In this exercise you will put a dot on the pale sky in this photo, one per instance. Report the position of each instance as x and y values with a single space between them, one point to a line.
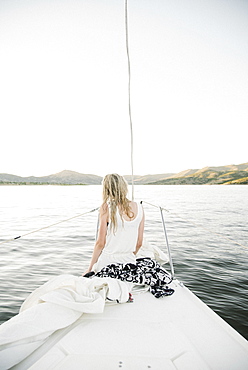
63 85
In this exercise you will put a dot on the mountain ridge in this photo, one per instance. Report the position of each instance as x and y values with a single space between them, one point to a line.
65 177
220 175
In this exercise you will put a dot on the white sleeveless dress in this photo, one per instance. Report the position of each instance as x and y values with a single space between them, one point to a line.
120 245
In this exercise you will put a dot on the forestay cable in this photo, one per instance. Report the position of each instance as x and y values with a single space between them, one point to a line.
129 95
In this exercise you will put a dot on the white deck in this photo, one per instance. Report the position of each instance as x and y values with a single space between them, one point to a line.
175 332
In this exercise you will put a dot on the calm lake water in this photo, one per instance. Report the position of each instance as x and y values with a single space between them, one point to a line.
214 268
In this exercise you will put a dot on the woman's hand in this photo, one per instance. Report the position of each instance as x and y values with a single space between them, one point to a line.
86 272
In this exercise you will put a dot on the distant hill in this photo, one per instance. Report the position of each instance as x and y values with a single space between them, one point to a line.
224 175
65 177
73 178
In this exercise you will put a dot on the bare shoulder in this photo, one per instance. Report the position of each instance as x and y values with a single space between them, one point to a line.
134 207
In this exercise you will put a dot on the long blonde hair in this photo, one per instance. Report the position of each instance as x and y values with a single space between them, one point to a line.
115 189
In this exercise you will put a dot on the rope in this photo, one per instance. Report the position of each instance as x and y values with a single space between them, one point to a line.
129 94
46 227
197 225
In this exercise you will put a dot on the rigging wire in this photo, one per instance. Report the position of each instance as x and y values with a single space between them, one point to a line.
153 205
197 225
46 227
129 94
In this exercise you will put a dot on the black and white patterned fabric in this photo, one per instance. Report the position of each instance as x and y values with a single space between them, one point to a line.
146 271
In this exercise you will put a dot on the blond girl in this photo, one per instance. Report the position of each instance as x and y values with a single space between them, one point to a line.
121 226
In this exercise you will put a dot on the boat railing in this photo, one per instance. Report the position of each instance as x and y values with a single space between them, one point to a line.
161 209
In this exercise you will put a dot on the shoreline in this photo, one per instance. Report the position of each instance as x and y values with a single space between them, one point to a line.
81 184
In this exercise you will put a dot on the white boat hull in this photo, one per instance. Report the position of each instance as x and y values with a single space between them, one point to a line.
175 332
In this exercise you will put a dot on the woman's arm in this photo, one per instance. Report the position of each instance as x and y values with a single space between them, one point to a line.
101 238
140 233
